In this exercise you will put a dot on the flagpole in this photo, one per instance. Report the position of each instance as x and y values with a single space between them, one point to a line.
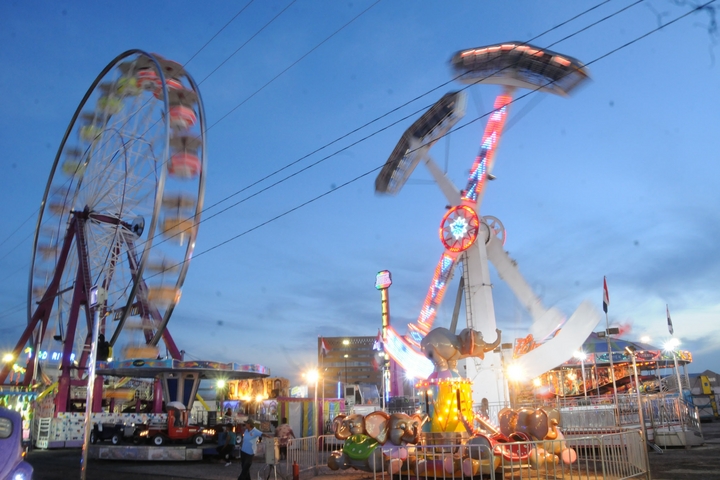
606 304
322 405
323 394
671 330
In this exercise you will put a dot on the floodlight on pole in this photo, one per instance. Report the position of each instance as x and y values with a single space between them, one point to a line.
670 346
580 355
514 374
345 343
313 376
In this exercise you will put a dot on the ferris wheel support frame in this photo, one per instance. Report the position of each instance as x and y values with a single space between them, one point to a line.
42 312
147 311
80 298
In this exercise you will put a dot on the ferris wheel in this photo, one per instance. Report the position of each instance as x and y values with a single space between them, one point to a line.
120 212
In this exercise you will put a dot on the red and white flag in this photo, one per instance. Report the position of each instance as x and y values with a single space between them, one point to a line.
606 296
670 327
324 348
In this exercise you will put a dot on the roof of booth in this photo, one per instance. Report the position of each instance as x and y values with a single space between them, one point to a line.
149 368
596 348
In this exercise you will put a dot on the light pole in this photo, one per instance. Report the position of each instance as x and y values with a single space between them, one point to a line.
641 417
670 347
631 350
515 374
383 280
313 377
345 343
580 355
98 295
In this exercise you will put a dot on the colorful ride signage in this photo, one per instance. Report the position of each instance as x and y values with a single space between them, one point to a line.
383 280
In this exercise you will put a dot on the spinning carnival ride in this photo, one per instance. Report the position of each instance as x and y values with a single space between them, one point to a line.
511 65
120 212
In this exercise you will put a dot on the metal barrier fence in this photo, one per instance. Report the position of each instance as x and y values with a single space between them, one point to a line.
615 456
493 408
304 452
591 419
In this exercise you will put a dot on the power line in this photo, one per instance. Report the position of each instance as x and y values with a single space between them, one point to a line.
247 41
359 128
218 33
293 64
266 177
324 194
458 128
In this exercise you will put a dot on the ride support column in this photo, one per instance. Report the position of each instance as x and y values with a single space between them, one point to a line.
98 394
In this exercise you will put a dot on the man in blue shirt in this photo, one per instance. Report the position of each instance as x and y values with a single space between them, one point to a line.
248 448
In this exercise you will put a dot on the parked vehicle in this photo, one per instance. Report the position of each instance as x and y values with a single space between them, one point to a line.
12 463
107 431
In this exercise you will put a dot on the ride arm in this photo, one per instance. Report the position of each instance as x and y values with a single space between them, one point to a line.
561 347
451 192
545 321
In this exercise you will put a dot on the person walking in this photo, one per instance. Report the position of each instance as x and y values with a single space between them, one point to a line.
284 432
248 449
227 444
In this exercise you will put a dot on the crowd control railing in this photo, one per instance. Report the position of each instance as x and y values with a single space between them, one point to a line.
615 456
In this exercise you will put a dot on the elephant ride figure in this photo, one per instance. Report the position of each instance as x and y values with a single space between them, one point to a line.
444 348
538 425
376 442
358 446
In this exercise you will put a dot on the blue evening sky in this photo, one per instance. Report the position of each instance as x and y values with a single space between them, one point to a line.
618 180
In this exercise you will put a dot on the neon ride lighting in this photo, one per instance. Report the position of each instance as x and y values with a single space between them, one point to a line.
459 228
475 187
443 272
484 161
414 363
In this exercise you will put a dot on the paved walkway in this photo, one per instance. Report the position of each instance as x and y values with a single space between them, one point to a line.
698 463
